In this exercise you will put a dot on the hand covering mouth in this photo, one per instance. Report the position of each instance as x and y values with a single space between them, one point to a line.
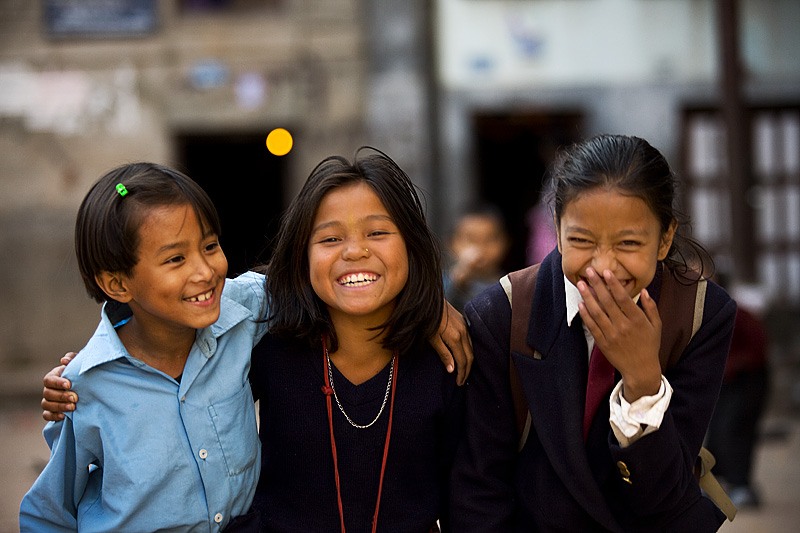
357 280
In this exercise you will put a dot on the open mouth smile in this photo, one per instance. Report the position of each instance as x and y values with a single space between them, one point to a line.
357 280
201 297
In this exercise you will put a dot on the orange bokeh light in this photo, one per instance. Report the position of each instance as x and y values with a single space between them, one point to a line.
279 141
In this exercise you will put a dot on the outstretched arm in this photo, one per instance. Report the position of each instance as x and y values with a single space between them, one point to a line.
453 343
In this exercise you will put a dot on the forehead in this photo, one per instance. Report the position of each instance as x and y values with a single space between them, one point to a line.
358 200
168 221
604 209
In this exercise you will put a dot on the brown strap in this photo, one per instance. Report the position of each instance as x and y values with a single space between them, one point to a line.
675 300
524 283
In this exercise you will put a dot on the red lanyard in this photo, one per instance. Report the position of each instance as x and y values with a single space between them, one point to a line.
328 390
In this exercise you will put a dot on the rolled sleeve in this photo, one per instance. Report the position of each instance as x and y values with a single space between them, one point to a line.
631 421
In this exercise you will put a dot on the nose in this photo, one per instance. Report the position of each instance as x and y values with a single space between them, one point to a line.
202 271
355 249
604 259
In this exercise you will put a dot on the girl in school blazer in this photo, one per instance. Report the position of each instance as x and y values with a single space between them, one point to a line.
630 471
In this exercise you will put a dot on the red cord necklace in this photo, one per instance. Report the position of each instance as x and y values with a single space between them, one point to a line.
329 391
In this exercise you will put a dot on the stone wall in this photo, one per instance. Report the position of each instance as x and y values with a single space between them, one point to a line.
70 109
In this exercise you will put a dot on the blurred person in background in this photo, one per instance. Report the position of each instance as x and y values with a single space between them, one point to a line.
478 245
733 433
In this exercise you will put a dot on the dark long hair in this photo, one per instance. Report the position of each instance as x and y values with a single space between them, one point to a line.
633 167
296 311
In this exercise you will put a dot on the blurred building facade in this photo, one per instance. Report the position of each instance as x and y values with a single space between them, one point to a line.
86 86
471 97
518 79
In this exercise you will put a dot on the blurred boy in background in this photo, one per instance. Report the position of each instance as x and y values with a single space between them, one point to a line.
478 244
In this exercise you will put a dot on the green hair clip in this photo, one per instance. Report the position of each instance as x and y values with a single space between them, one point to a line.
121 189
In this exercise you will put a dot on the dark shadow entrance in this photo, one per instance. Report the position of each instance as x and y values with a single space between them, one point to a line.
245 182
513 152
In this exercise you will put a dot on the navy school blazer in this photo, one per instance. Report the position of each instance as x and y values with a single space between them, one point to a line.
557 482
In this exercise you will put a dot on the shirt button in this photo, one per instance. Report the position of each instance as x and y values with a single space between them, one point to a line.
203 454
218 518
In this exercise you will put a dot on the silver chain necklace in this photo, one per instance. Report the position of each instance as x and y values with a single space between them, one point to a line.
385 396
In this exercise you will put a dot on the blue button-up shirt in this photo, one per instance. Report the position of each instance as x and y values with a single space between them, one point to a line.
146 453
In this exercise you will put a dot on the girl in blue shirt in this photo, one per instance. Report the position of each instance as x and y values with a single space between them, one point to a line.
167 438
452 330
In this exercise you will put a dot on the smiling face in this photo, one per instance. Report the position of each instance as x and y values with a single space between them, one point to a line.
177 282
358 262
606 230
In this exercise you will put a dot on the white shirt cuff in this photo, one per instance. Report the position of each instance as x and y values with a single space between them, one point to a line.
631 421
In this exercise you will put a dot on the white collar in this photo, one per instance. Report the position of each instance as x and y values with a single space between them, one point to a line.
573 297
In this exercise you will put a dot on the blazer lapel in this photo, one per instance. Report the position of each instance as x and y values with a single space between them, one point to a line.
554 388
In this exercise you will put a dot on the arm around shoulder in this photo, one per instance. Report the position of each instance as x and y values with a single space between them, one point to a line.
249 291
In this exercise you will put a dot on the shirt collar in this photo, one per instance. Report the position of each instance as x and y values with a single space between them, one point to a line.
573 297
231 313
105 345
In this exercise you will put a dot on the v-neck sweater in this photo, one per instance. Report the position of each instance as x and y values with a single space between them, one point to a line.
297 490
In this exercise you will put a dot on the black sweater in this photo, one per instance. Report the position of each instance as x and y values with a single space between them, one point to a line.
297 491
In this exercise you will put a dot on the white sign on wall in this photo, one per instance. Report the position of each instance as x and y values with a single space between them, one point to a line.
517 44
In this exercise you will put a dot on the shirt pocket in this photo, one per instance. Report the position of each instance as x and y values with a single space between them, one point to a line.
234 421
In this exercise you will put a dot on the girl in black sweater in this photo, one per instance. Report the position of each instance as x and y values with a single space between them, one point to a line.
358 417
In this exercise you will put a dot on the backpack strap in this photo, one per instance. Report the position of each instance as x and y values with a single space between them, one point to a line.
675 299
672 302
524 283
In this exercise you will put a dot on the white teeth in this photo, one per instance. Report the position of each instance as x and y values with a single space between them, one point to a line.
202 297
358 280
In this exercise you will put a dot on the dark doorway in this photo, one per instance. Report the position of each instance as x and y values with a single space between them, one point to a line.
245 182
513 153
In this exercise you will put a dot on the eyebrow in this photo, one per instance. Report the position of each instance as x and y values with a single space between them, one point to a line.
367 218
623 233
173 245
169 247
